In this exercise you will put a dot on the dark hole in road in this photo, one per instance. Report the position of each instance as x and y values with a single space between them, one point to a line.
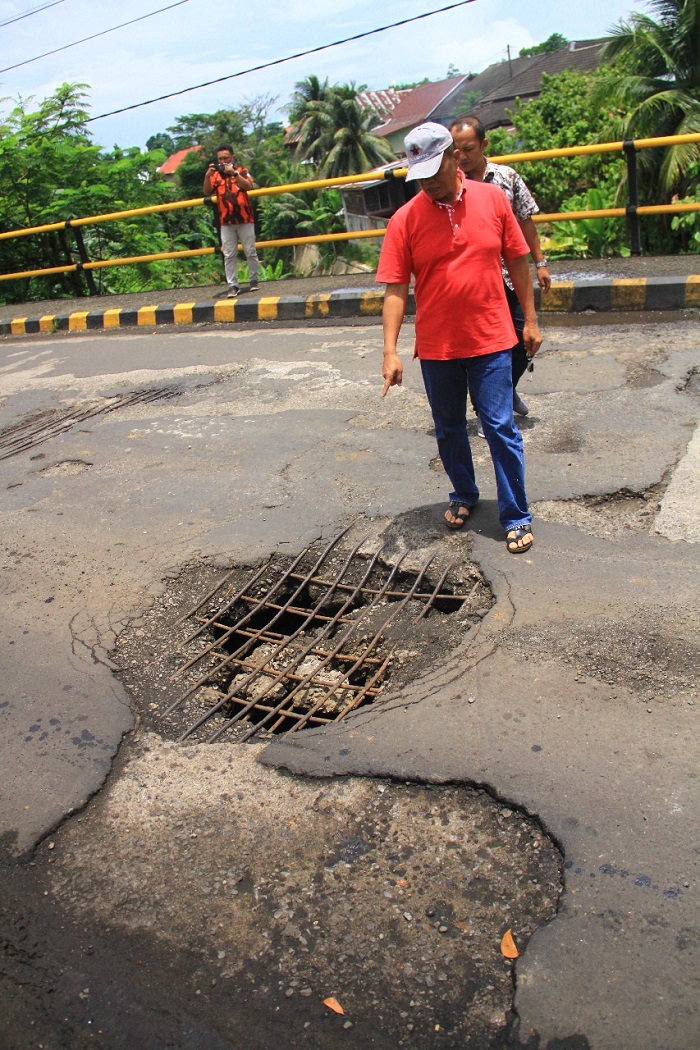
301 642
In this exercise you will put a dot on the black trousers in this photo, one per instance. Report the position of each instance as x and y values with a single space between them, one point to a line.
520 358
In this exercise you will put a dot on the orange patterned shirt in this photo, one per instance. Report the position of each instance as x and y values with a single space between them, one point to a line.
234 204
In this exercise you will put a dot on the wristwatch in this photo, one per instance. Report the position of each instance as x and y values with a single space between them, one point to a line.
539 265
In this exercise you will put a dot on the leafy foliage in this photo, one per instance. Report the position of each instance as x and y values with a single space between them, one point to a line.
50 171
654 90
561 116
588 238
336 134
553 43
686 226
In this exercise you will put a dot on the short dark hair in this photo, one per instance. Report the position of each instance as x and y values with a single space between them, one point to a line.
470 122
228 149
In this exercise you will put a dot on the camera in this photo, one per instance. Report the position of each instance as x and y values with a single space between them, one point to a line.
221 168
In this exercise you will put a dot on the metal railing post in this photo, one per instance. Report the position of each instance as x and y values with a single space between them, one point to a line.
633 195
84 257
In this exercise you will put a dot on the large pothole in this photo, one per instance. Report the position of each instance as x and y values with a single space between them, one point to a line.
278 893
296 641
606 516
282 893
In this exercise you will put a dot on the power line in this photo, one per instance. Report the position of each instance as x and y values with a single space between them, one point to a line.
94 35
281 61
34 11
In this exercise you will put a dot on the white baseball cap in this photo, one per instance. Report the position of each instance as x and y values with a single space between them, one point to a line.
425 146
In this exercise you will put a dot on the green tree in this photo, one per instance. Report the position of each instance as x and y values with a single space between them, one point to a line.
686 226
47 164
310 89
562 115
336 134
50 171
655 90
162 141
209 130
553 43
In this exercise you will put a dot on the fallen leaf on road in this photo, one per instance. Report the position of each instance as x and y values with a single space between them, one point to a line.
333 1005
508 946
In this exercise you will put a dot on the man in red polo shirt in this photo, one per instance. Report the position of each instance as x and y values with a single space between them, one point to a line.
451 237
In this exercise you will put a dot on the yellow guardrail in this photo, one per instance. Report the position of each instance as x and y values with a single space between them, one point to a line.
629 146
598 147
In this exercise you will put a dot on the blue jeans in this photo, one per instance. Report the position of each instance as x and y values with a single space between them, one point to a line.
489 376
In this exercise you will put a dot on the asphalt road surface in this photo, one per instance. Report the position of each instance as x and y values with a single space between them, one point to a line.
532 767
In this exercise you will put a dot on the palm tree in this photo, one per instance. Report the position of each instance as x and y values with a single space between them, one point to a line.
337 136
656 86
308 93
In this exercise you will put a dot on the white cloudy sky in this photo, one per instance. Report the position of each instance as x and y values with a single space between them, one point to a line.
199 40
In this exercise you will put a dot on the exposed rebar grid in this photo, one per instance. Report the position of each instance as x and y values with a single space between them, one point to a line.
303 643
35 432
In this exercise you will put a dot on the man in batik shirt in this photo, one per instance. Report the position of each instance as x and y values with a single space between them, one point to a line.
469 137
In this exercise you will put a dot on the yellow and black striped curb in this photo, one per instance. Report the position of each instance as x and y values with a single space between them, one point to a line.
327 305
621 293
616 294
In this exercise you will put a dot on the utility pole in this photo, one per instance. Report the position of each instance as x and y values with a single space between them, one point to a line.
510 68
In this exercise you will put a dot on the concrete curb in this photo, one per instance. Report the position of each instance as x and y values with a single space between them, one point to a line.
608 295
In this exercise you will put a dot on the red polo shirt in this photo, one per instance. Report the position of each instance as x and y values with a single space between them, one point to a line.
454 251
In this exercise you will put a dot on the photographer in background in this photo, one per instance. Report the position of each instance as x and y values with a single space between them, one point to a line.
230 183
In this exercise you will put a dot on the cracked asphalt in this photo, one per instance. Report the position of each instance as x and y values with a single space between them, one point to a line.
572 703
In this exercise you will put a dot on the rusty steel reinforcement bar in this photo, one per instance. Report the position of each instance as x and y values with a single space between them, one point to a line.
312 647
29 435
346 674
429 596
369 648
302 656
191 613
344 637
228 632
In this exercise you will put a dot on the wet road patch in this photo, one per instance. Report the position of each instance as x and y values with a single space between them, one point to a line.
392 898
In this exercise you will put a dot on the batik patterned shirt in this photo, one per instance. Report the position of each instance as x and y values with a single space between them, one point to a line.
521 200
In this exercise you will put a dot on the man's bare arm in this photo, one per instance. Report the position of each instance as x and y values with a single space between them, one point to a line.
533 242
395 299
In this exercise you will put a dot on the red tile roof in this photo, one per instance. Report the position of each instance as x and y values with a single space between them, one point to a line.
419 104
170 166
383 102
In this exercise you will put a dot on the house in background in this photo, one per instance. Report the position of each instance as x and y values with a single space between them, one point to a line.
382 197
168 168
496 90
435 101
488 96
370 205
